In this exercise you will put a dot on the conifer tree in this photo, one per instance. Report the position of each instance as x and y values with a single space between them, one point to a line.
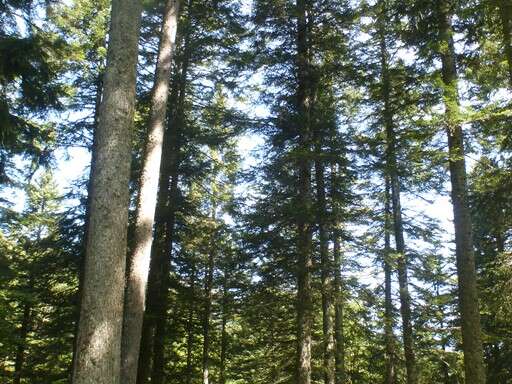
98 354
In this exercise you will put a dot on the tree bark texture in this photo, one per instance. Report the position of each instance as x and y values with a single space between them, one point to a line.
98 354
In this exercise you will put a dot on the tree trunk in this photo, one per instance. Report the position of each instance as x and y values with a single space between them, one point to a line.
165 222
22 343
161 304
157 376
98 355
326 274
390 377
81 263
223 331
392 170
190 325
339 338
467 285
304 228
148 189
208 286
505 10
162 211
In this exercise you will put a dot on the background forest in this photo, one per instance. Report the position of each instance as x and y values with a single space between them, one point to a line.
256 191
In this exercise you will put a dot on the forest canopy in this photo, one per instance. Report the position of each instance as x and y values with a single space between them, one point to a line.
256 191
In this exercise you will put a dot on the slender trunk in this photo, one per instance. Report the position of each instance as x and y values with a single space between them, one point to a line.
223 331
164 224
207 314
22 343
505 10
304 228
467 285
98 354
339 338
326 273
190 324
390 377
150 317
445 368
161 303
392 169
143 235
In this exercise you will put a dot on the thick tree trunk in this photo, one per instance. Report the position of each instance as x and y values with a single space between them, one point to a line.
22 343
390 377
208 286
326 275
148 189
81 263
468 294
304 228
98 355
505 10
392 170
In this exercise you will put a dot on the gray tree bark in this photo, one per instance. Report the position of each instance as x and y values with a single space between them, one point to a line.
98 354
148 189
467 285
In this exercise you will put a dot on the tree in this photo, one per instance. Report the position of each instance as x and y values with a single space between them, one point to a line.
38 287
304 228
394 181
147 197
468 295
99 332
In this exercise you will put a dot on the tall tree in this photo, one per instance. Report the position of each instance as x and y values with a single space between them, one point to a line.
468 295
326 274
390 374
394 180
98 354
304 228
148 186
339 353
